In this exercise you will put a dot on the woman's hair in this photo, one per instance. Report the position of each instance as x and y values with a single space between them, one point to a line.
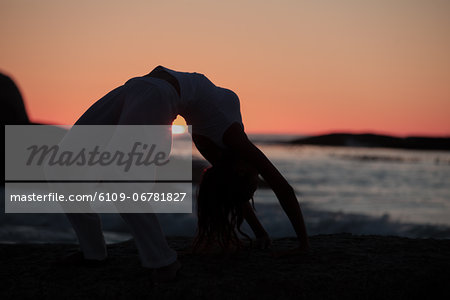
224 188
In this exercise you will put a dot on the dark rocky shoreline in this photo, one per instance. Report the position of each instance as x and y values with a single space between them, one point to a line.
339 266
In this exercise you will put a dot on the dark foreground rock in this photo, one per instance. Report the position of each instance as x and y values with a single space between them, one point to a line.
339 267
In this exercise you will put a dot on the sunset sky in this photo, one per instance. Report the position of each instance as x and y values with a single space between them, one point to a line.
303 67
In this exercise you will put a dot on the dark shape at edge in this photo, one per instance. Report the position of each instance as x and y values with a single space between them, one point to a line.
13 110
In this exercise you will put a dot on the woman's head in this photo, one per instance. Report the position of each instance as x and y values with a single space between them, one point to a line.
225 187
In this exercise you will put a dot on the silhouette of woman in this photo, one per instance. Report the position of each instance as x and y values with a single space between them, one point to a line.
218 133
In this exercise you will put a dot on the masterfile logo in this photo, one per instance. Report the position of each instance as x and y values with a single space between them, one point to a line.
105 168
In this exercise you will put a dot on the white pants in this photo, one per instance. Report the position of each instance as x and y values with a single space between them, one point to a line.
142 101
148 236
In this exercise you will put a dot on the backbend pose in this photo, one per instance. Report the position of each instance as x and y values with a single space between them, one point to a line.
218 133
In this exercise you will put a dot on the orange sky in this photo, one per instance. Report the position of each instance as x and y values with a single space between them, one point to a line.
298 66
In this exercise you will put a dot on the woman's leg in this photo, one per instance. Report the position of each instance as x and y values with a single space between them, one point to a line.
150 240
149 106
88 228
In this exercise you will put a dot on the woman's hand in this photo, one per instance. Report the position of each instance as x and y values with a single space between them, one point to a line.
292 252
263 242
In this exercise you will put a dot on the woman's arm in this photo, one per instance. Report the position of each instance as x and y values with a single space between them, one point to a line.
213 153
210 151
253 221
236 139
262 237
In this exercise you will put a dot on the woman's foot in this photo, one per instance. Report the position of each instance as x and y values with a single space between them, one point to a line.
77 259
166 273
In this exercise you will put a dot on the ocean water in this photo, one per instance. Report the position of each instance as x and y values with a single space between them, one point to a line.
354 190
366 191
409 186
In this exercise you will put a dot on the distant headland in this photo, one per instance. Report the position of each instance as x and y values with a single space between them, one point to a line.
375 141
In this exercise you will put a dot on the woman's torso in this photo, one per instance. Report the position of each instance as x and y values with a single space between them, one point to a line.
208 108
156 99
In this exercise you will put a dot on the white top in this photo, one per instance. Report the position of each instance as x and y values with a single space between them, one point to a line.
208 108
153 101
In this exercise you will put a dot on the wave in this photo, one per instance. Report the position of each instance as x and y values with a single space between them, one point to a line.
54 228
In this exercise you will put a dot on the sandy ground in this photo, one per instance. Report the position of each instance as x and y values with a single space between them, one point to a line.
339 266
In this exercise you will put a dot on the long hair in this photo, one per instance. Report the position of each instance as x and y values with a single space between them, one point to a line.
221 195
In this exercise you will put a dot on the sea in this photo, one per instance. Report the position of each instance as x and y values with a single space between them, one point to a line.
362 191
